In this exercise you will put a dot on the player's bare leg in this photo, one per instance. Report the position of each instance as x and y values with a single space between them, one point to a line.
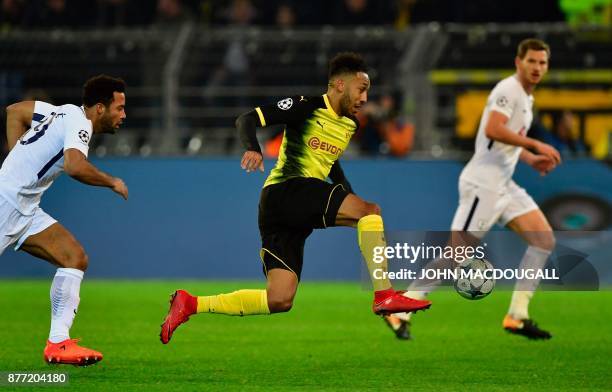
278 297
56 245
536 231
355 212
282 286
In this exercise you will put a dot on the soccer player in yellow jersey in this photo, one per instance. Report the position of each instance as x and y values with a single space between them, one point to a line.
296 198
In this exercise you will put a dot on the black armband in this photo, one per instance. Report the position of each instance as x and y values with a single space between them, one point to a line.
246 124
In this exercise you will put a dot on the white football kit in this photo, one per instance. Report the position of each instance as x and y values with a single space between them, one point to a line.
33 164
487 193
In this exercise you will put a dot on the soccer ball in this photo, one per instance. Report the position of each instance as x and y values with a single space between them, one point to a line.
470 283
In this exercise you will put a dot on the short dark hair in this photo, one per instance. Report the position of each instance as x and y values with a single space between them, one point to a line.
100 89
531 44
346 62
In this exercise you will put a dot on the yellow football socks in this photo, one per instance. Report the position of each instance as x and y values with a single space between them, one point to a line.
238 303
371 236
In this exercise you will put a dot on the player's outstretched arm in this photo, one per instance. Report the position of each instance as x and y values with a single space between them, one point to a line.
252 159
18 120
496 129
78 167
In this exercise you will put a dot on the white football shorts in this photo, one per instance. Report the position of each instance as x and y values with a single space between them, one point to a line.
480 208
15 228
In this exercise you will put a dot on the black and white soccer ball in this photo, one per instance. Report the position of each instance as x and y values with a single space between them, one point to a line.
472 285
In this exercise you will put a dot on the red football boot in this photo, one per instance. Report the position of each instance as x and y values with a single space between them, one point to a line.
69 352
390 301
182 305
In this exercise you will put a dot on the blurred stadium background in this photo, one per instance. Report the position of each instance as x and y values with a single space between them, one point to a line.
193 66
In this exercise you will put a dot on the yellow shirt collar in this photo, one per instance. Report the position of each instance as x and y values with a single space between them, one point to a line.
329 106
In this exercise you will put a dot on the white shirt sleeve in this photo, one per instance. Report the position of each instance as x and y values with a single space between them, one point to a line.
503 99
77 130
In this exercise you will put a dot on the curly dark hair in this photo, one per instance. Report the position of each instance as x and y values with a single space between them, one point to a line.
100 89
346 62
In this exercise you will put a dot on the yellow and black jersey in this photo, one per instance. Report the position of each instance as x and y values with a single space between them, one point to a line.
314 137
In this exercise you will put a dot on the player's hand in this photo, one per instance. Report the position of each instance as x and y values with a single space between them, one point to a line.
549 151
120 188
251 161
542 164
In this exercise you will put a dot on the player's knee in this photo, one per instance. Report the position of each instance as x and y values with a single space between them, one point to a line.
548 241
370 209
544 240
279 304
78 259
375 209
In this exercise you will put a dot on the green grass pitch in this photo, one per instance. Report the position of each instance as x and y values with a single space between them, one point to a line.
329 341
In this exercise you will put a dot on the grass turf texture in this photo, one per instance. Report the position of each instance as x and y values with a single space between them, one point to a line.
329 341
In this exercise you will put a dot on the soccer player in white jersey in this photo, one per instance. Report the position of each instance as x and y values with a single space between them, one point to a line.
44 141
488 195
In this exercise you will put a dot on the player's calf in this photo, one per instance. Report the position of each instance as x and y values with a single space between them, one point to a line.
282 286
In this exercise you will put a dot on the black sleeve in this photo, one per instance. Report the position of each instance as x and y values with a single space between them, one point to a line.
246 125
336 174
287 111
